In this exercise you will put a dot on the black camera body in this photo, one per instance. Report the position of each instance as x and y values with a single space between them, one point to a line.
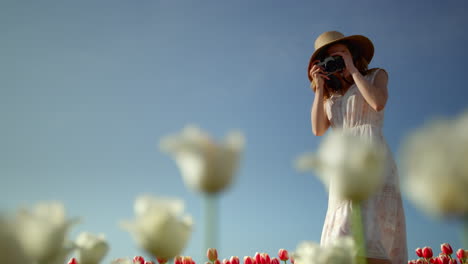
332 64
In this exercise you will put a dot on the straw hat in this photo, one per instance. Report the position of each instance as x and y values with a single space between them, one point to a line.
329 38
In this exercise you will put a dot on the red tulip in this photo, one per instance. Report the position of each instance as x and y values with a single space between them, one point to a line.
460 254
187 260
265 258
419 252
226 261
217 261
73 261
444 259
212 254
138 260
427 252
453 261
283 254
248 260
178 260
258 258
161 261
446 249
292 259
420 261
234 260
275 261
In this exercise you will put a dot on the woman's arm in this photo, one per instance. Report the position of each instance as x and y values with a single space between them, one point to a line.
376 94
318 116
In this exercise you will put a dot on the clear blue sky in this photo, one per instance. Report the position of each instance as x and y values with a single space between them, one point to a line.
87 89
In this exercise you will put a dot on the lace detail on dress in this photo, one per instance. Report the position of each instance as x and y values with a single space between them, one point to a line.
384 219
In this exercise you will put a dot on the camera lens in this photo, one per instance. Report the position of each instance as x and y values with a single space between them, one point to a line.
331 66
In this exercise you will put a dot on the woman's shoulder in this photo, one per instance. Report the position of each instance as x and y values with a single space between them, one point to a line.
371 73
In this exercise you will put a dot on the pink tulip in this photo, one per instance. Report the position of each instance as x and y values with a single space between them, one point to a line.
178 260
212 254
446 249
292 259
427 252
419 252
248 260
138 260
234 260
73 261
283 254
275 261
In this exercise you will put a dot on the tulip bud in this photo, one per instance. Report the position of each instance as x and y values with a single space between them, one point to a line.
265 258
427 252
187 260
460 254
226 261
275 261
444 259
138 260
283 254
248 260
178 260
258 258
419 252
234 260
72 261
446 249
212 254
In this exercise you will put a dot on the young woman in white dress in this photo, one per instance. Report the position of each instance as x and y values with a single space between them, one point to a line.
353 100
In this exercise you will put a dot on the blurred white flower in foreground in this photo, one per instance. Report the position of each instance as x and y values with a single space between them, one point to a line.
205 165
354 166
341 251
42 232
160 227
91 248
435 166
10 250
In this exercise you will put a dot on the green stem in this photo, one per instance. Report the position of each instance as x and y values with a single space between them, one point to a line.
358 233
465 232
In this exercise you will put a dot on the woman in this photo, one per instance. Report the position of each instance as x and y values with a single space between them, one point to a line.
353 99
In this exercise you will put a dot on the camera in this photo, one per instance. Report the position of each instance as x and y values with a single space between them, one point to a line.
332 64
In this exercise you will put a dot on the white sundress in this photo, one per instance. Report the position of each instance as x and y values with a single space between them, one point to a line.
383 215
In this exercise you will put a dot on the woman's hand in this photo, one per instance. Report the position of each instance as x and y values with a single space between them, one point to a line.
348 60
318 75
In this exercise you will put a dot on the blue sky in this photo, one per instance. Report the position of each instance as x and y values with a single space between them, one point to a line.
88 88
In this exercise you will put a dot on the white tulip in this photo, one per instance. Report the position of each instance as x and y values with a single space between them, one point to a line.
91 248
351 166
435 166
340 251
205 165
42 232
10 250
160 227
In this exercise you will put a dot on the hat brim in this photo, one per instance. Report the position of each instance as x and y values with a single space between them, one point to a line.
362 43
